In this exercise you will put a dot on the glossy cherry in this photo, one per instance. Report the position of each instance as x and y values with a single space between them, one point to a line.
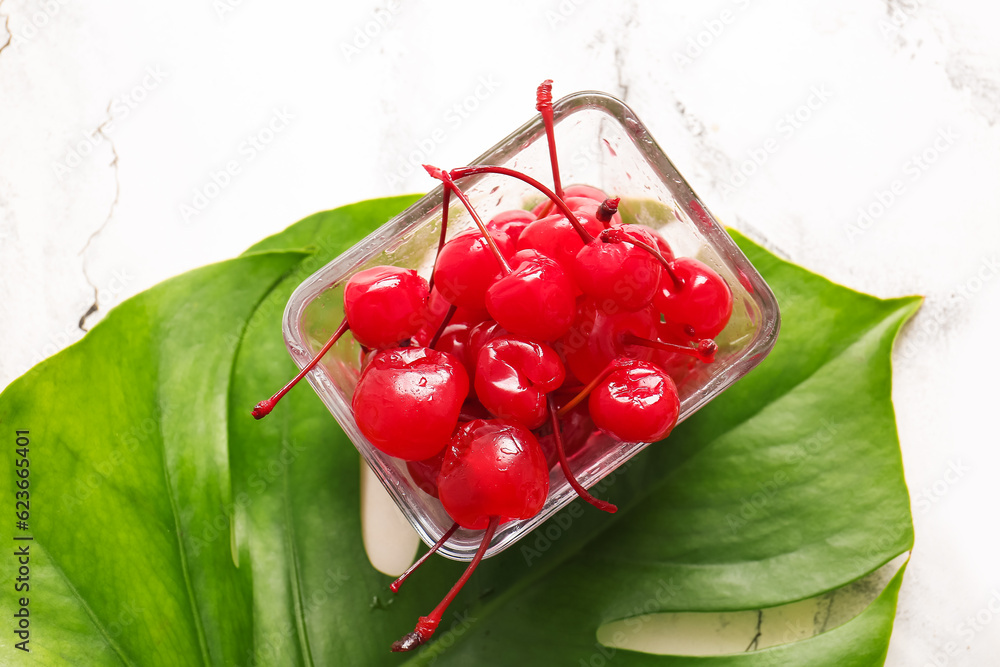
700 305
620 272
467 267
513 376
598 336
535 299
385 305
492 467
636 402
511 223
494 470
408 399
425 473
531 295
556 237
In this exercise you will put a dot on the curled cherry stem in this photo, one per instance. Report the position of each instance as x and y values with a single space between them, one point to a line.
472 170
426 625
564 464
607 210
445 204
618 235
264 408
704 351
543 103
444 323
446 178
394 586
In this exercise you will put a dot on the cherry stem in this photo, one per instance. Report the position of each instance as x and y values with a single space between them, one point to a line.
564 464
446 178
264 408
394 586
618 235
704 351
445 204
472 170
543 103
614 365
444 323
426 625
607 210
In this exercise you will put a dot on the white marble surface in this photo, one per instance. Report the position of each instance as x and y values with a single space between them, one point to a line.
114 115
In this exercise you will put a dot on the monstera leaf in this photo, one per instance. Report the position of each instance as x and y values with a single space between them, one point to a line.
170 528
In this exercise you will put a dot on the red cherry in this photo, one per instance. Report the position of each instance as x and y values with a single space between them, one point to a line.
408 399
598 336
636 403
481 334
575 196
511 223
536 299
467 267
554 236
492 468
700 306
661 243
425 473
513 377
385 305
586 191
619 272
454 340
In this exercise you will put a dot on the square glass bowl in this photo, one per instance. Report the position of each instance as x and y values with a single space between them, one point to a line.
601 143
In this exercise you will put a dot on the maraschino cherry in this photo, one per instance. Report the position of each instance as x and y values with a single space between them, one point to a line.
493 471
700 306
383 305
513 377
636 402
408 399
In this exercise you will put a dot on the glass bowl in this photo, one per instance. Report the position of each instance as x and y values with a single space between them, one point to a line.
601 143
